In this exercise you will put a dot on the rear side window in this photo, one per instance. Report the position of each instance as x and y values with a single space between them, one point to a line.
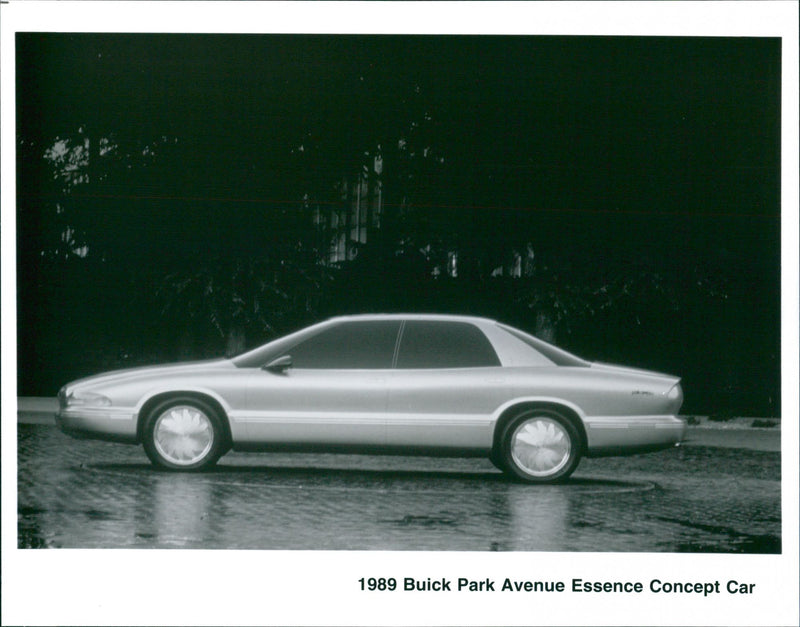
442 344
350 345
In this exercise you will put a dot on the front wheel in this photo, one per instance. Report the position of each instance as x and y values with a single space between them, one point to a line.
540 446
183 434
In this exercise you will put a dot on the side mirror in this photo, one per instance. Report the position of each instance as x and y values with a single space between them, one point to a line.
279 365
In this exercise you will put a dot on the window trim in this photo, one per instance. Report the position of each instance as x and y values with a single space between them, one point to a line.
398 343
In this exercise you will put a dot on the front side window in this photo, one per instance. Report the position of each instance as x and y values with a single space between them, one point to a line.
442 344
349 345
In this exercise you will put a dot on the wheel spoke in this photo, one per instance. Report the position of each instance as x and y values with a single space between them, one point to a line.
183 435
540 446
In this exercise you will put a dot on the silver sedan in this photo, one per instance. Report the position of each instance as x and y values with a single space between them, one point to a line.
404 384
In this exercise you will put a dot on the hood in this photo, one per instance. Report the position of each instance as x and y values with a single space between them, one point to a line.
148 371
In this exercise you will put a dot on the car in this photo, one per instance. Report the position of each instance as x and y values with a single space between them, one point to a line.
386 383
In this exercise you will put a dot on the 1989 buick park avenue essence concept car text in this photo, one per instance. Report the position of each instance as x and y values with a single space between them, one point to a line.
408 384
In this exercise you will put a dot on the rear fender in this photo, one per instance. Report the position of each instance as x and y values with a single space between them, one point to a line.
506 412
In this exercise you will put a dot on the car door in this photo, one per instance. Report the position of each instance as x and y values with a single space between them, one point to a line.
334 393
445 387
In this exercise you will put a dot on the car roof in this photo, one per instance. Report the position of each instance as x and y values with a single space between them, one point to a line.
414 316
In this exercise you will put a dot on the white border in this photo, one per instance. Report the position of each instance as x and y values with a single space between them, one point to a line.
255 587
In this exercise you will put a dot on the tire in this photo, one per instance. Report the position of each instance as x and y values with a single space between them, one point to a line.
184 434
540 446
497 461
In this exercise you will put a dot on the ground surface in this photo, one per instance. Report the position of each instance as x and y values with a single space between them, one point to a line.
718 493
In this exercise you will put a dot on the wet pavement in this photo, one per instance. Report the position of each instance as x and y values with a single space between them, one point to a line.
84 494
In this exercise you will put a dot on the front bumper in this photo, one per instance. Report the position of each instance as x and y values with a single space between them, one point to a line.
106 423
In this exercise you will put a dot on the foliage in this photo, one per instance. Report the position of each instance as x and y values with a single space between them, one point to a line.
243 299
83 173
565 295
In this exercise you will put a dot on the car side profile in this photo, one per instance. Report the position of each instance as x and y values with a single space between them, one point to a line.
386 383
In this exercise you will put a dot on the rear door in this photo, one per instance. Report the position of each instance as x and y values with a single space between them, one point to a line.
446 385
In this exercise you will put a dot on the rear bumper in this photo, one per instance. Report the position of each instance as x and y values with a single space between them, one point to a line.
619 435
113 425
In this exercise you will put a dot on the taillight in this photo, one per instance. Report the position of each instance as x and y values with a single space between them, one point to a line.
676 395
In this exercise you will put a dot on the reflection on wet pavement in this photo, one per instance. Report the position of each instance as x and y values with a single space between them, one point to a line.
84 494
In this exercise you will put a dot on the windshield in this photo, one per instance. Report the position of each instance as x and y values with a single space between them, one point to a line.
264 354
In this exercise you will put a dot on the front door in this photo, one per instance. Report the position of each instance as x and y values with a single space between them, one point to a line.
334 393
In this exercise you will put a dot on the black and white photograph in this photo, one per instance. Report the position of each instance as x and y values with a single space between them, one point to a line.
447 317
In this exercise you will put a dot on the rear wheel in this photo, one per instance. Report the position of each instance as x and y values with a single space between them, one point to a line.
540 446
184 434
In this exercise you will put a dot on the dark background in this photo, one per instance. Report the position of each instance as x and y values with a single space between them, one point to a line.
167 187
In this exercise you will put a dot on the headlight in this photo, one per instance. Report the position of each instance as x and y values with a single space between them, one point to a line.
87 399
